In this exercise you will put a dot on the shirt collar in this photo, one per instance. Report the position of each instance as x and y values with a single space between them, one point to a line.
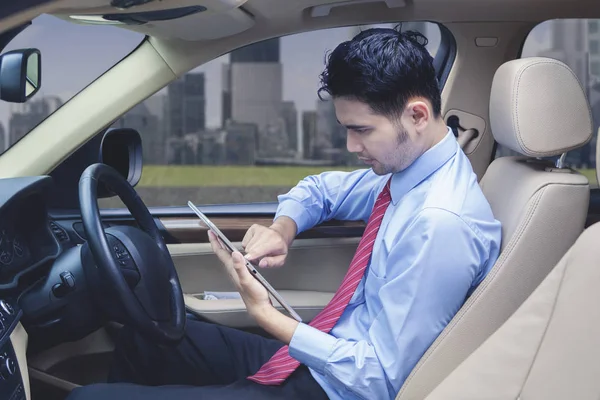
425 165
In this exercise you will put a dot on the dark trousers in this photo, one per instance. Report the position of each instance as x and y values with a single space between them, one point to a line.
212 362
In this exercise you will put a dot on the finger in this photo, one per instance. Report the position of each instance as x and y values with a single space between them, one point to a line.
250 233
239 265
244 276
214 242
225 258
256 239
265 248
218 249
272 262
220 242
213 239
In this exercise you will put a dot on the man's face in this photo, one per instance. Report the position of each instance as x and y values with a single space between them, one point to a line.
386 146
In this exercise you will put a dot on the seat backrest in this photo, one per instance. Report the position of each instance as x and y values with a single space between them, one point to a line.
549 349
538 109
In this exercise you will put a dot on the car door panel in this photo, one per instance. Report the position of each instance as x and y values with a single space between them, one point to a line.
318 259
313 271
232 312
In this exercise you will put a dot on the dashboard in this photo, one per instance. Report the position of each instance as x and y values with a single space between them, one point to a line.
11 381
27 243
14 253
26 239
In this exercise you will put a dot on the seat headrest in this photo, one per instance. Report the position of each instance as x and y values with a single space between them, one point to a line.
538 108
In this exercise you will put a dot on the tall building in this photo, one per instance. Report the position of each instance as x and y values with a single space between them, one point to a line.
149 127
568 43
226 94
212 147
594 47
186 114
309 133
330 134
593 31
156 105
266 51
241 143
290 119
187 105
26 116
273 140
185 150
256 84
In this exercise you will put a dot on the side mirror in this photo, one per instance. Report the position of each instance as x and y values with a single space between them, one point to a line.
121 148
20 75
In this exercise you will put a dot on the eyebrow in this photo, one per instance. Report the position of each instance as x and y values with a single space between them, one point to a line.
354 127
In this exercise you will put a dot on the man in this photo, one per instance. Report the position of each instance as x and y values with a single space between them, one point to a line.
430 239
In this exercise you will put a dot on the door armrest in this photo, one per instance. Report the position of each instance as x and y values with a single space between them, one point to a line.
232 312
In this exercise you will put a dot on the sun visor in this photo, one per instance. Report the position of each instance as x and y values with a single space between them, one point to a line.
141 18
184 19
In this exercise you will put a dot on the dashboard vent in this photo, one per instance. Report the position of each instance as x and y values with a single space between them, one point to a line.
59 232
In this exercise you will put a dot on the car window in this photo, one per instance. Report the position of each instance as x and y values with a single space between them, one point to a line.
72 56
247 126
576 42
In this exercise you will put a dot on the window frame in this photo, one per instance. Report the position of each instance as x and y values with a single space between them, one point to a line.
23 28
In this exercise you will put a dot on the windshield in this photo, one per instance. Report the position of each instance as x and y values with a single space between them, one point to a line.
73 55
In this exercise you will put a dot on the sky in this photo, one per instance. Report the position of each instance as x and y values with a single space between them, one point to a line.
74 55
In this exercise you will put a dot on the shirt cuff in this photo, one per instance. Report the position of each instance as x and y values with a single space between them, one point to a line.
295 211
311 347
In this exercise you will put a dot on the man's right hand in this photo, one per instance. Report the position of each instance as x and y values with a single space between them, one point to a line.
269 245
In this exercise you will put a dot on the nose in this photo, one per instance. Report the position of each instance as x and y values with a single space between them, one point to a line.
353 142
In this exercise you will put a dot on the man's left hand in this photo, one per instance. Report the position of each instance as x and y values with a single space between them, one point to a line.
254 294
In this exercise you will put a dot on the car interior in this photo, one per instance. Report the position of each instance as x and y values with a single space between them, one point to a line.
79 231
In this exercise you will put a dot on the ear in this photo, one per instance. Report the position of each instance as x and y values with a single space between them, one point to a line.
419 113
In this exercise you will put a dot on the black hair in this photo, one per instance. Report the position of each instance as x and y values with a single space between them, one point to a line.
383 68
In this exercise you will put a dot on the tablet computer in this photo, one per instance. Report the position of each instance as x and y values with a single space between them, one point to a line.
249 265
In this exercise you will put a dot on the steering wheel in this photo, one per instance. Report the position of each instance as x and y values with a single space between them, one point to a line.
134 262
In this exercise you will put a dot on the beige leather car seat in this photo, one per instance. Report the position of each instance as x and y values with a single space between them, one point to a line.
549 349
538 109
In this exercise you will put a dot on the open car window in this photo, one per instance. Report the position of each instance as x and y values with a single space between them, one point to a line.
247 126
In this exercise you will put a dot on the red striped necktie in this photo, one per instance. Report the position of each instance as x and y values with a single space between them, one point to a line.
281 365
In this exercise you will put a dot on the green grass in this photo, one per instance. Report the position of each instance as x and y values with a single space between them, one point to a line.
208 175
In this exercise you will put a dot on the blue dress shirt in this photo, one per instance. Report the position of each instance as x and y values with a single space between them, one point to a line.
437 241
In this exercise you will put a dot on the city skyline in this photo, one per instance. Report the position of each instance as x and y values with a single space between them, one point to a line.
95 49
291 69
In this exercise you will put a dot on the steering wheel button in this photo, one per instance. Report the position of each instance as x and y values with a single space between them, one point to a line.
68 279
